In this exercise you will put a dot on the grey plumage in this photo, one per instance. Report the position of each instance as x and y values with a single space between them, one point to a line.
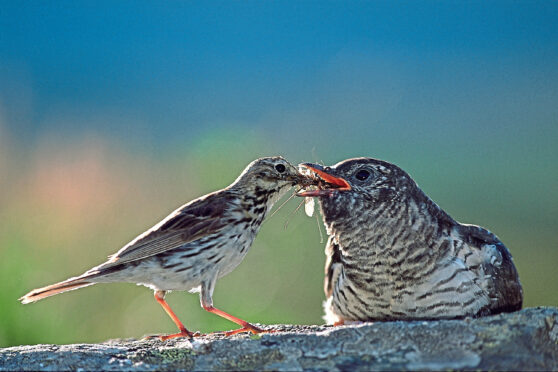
392 253
198 243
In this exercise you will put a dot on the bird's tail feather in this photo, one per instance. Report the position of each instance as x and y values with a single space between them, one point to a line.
51 290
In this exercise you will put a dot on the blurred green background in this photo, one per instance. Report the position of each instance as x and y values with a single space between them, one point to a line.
111 116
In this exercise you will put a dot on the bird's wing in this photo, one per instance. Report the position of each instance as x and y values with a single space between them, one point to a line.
497 263
478 236
199 218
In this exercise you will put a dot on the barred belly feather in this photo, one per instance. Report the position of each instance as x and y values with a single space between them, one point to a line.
394 254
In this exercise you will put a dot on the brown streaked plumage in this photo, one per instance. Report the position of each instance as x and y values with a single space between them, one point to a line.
195 245
394 254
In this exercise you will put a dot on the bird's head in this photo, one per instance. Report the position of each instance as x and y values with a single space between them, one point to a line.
270 175
357 180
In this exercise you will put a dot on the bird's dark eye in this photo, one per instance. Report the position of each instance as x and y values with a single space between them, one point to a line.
362 175
280 168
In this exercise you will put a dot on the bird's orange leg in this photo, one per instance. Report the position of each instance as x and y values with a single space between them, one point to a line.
246 327
160 298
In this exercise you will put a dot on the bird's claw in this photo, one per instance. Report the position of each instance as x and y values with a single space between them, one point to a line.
186 334
250 328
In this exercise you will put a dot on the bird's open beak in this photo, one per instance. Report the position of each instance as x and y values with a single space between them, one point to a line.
332 183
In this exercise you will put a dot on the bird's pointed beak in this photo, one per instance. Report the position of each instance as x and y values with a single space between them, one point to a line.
298 178
335 183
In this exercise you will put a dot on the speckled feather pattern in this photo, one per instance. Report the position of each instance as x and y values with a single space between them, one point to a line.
199 242
197 264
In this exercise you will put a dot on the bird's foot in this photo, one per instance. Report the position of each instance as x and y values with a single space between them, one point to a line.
248 328
180 334
184 333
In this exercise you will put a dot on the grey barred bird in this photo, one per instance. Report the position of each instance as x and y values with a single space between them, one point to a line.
393 254
196 244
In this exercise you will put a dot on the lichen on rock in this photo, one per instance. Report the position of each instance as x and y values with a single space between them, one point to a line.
527 339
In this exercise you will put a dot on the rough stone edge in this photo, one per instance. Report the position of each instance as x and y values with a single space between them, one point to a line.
527 339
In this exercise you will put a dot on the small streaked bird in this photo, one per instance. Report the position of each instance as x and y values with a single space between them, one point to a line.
196 244
393 254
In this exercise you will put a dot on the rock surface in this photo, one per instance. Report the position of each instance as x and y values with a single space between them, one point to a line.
527 339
